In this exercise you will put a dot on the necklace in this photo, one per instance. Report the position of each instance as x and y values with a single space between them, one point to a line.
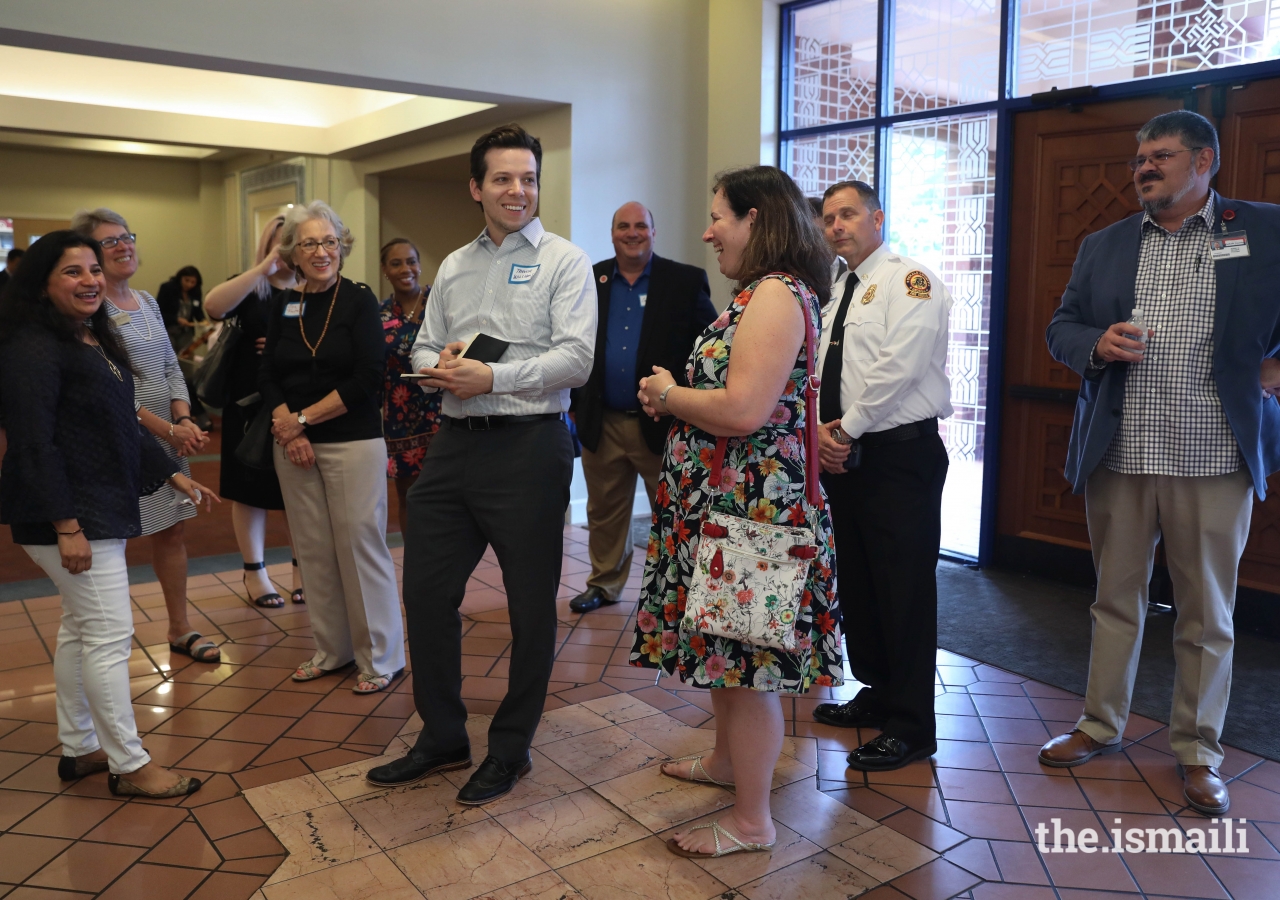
115 370
303 331
141 310
417 305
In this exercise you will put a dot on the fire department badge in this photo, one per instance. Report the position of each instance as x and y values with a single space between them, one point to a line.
918 285
869 295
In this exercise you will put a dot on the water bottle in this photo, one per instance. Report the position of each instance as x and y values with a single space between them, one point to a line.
1137 319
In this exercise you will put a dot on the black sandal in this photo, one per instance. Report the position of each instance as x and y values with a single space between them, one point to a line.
266 601
298 595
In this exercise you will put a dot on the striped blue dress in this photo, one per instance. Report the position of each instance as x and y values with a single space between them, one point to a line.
159 382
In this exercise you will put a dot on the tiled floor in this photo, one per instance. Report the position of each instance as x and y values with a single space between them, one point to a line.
589 821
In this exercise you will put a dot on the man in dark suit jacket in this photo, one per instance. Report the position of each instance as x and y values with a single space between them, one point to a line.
651 310
1174 432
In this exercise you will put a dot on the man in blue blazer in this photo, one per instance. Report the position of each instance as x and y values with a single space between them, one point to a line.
1175 430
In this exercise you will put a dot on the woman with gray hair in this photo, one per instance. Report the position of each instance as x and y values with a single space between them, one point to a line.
321 377
164 409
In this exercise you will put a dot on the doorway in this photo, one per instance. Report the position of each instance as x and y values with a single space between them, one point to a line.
1071 172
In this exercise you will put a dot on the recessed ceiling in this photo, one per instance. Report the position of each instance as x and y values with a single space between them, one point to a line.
86 95
103 145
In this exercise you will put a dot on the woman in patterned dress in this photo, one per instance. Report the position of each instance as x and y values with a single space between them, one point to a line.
746 376
164 409
410 416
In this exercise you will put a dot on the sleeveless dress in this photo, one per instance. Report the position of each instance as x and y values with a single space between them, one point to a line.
763 479
410 417
158 382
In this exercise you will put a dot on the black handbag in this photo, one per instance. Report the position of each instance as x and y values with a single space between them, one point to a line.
215 369
255 448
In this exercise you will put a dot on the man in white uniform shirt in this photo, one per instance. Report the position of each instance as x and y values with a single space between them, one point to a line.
497 473
884 386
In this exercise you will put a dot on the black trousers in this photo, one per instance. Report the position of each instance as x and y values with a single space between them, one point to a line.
887 518
508 488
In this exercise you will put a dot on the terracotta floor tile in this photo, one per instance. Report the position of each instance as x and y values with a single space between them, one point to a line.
229 699
1036 790
916 774
17 805
954 704
250 845
1016 731
285 702
1094 871
289 768
260 865
39 774
21 855
1005 707
1175 875
173 693
960 728
322 726
992 821
256 676
289 748
254 728
32 737
966 755
228 886
226 818
368 878
937 880
1120 796
867 801
199 723
222 756
137 824
85 866
185 846
924 830
67 817
1019 862
154 883
973 785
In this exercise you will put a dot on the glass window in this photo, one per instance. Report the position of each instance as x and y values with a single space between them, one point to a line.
833 64
821 160
941 205
945 53
1067 43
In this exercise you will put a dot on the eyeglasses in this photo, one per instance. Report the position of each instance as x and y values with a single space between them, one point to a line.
108 243
310 247
1160 157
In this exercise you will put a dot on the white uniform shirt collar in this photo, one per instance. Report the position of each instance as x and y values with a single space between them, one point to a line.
532 233
868 266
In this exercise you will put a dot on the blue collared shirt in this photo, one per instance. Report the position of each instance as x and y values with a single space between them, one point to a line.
622 338
534 291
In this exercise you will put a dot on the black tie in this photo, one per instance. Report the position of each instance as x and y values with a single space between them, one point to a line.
829 407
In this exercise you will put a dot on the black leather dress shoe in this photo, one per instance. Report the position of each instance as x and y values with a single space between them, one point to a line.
885 753
415 766
492 780
848 715
591 598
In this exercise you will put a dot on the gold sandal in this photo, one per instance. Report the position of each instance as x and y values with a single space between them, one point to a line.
376 682
693 774
308 671
117 785
716 830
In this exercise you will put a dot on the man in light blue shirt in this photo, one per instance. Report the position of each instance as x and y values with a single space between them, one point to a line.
497 474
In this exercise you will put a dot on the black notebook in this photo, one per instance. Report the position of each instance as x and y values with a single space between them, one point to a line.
485 348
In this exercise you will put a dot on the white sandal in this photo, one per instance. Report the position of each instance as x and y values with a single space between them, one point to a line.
693 774
717 829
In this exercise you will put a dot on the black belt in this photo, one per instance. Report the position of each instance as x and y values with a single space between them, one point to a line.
908 432
624 412
488 423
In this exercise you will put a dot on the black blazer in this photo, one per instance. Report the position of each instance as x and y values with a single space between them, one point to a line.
677 311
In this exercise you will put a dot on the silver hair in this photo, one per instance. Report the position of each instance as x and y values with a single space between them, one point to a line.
1193 129
307 212
86 221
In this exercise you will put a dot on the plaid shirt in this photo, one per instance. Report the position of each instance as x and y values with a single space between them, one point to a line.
1173 422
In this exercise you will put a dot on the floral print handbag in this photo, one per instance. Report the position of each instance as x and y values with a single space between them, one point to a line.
749 577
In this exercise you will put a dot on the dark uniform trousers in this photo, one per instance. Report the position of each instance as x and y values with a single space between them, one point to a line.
508 488
887 518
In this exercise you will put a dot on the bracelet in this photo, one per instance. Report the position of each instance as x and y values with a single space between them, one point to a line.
68 533
662 398
187 418
170 429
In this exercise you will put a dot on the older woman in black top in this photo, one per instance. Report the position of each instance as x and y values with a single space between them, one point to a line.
321 377
76 463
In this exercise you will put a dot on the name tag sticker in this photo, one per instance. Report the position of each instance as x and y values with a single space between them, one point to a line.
1229 245
522 274
644 298
121 319
293 310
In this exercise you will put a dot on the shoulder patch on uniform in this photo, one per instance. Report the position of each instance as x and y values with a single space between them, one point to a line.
918 285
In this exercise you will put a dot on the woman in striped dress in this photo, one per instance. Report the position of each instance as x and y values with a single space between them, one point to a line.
164 408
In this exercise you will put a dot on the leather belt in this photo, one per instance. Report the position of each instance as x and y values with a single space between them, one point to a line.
908 432
488 423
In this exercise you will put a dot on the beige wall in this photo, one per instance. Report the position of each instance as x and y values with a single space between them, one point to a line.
175 206
438 216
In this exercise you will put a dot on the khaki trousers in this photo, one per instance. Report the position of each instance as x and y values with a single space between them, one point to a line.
611 473
338 518
1205 523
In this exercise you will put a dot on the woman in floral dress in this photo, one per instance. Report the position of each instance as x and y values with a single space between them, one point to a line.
746 376
410 417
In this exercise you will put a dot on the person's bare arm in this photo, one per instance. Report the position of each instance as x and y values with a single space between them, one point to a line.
768 339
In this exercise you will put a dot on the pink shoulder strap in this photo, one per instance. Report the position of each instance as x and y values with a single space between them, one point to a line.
811 385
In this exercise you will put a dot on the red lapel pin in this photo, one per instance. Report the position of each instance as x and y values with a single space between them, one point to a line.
604 278
1228 215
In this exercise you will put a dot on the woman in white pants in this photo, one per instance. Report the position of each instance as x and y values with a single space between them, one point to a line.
77 460
321 378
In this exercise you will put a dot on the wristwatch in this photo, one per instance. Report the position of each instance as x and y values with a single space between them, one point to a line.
302 419
841 437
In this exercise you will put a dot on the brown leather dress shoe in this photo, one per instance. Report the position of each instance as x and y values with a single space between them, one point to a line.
1073 749
1203 788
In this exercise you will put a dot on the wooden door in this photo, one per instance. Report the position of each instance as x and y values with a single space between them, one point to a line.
1070 166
